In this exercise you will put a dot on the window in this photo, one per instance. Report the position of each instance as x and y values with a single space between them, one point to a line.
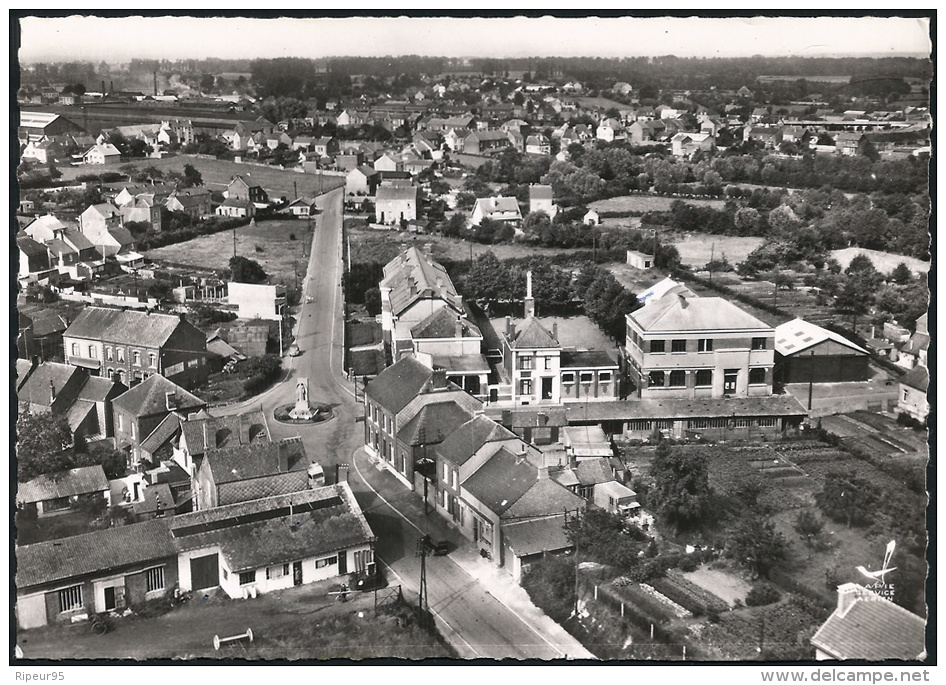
525 363
568 377
759 343
678 345
656 379
604 376
191 363
678 379
525 387
277 571
586 376
132 429
92 352
121 354
110 372
154 579
75 349
453 480
247 577
446 473
656 346
756 376
108 354
57 504
704 378
121 422
327 561
768 421
152 360
548 362
704 345
906 395
136 357
742 423
70 598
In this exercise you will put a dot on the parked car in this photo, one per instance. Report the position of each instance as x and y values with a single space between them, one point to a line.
294 350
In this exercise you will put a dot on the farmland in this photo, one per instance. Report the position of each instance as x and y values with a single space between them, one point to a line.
277 245
884 262
696 249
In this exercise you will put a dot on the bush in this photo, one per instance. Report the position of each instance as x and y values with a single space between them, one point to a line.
550 584
263 372
762 594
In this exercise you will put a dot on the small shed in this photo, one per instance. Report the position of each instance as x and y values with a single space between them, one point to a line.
640 260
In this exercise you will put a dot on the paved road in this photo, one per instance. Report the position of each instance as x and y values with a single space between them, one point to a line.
474 621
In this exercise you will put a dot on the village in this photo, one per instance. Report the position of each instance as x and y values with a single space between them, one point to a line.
634 367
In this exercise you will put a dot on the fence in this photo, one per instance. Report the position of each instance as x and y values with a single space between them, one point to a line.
390 596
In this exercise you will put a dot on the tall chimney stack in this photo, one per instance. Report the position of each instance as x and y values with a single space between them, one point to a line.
530 302
154 75
458 328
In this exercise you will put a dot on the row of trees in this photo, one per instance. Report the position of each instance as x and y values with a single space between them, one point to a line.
45 444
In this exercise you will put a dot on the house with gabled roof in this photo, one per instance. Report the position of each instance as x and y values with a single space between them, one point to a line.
184 437
393 399
245 549
541 199
455 345
395 204
102 153
140 410
869 627
504 209
913 388
806 353
239 188
195 202
485 142
362 180
55 493
134 345
84 401
246 472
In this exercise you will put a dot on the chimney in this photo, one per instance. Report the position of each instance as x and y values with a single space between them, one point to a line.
427 247
521 455
52 391
530 301
555 330
847 595
438 380
458 328
154 74
509 329
170 400
544 472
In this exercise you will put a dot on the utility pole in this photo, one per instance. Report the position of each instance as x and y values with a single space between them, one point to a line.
424 546
811 379
281 314
234 241
712 259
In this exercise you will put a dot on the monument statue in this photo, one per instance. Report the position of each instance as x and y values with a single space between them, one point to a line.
302 409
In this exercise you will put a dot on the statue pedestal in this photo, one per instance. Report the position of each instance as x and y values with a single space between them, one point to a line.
302 411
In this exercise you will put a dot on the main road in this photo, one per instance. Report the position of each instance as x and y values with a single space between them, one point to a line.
475 622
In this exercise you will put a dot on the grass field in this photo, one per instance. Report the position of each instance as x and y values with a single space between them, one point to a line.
277 253
696 249
884 262
648 203
217 173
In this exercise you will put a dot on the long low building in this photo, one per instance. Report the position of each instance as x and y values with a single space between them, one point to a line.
806 353
697 418
243 549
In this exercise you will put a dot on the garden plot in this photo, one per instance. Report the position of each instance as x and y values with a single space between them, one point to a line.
726 586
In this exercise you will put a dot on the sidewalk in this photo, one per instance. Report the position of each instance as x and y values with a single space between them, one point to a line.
496 581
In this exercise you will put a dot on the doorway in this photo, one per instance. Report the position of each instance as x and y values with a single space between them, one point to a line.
297 573
546 388
342 563
729 381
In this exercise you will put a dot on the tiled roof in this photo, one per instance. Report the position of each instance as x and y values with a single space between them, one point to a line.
262 532
533 336
443 324
162 433
794 336
546 496
77 413
398 384
28 246
593 471
391 193
36 390
497 205
536 536
259 488
433 423
23 368
241 462
413 276
150 397
464 363
78 481
224 431
123 326
108 549
672 313
540 192
460 445
918 378
873 629
587 359
501 481
157 498
684 408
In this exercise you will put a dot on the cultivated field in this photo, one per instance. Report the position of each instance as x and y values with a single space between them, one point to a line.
217 173
884 262
270 243
648 203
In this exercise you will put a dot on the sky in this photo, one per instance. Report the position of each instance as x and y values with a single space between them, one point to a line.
120 39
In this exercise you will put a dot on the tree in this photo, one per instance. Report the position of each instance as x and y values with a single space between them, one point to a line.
757 545
901 275
192 177
373 301
41 441
601 536
137 148
846 497
681 493
243 270
207 82
808 525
